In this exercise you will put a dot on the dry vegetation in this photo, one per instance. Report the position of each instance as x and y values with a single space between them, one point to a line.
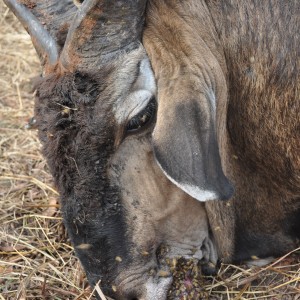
36 259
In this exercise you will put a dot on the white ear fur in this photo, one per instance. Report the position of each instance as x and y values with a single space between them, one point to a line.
194 191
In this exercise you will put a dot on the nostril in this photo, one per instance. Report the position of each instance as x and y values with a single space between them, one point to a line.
128 294
132 296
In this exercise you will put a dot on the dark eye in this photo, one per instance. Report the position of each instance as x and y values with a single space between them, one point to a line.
143 118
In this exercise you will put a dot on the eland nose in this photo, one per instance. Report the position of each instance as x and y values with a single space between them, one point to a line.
154 289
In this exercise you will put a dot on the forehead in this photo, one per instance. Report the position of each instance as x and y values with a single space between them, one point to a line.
79 91
118 90
76 128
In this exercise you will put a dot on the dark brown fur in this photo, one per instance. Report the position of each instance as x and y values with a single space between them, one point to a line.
260 43
78 132
256 43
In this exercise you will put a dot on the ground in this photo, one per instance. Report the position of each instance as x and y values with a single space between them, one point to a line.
36 258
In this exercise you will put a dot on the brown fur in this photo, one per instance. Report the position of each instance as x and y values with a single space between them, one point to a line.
256 46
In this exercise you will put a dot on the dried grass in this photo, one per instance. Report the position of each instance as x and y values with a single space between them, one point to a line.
36 258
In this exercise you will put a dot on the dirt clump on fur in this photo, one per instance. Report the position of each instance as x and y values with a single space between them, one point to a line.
187 280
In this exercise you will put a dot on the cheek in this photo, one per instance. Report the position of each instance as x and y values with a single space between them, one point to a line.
140 181
155 207
134 170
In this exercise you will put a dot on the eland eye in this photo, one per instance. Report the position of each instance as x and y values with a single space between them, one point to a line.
143 118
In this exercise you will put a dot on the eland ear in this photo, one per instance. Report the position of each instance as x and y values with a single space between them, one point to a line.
186 148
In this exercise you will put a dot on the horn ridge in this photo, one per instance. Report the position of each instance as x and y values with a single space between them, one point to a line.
44 44
56 17
101 29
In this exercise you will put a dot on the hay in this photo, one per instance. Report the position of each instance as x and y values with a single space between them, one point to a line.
36 258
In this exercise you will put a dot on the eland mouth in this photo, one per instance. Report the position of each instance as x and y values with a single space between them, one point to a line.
172 276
